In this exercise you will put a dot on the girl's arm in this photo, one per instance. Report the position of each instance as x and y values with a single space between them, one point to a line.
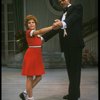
42 30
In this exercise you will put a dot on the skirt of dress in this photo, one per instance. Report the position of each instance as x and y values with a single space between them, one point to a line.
33 62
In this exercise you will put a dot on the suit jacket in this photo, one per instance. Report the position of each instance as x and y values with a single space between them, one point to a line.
74 29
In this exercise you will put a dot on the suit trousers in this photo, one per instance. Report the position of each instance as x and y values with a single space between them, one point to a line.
73 58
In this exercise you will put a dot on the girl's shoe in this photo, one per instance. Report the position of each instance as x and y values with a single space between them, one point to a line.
23 96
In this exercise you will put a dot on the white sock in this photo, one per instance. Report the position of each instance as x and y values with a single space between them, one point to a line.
30 98
25 91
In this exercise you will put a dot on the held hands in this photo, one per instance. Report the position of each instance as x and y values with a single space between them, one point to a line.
57 24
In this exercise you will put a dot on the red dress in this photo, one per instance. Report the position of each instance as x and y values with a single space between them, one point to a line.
33 61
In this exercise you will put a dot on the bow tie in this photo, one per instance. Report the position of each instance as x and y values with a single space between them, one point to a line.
65 9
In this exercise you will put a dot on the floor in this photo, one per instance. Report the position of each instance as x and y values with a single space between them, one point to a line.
53 86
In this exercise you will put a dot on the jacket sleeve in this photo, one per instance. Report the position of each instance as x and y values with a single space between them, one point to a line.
50 34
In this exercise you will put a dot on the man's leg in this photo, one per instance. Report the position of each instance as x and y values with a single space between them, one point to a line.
73 58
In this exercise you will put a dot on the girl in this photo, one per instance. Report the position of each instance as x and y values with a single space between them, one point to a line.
33 67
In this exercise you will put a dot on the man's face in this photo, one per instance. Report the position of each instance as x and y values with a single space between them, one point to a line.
63 3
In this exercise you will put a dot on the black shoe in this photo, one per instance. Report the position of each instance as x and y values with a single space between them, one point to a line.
23 96
73 99
66 97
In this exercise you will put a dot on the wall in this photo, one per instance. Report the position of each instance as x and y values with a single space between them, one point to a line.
90 8
46 15
91 43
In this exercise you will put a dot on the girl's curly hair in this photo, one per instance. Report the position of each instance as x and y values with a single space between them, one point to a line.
30 17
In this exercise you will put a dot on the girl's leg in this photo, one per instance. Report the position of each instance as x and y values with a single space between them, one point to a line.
36 80
29 82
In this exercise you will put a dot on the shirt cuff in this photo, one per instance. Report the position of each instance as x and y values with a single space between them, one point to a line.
64 25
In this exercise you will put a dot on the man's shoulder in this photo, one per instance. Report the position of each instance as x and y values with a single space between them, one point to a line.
78 5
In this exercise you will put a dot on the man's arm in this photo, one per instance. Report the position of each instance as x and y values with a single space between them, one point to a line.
49 35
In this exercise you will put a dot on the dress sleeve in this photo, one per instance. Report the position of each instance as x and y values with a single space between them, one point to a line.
32 32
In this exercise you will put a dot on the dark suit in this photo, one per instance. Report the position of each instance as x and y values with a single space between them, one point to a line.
72 46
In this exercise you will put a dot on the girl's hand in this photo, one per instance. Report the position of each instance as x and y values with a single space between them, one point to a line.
57 24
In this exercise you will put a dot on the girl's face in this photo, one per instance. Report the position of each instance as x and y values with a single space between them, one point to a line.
31 24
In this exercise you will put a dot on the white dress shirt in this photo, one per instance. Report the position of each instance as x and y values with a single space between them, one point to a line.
64 24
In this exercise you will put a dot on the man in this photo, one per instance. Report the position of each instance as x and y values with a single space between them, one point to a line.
69 28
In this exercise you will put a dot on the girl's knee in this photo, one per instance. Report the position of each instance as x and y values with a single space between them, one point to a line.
29 77
39 77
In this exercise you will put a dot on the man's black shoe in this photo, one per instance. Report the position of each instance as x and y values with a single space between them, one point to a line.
23 96
65 97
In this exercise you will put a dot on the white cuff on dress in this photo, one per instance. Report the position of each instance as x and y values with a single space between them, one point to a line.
32 32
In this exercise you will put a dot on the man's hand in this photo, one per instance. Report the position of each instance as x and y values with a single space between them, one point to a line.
57 24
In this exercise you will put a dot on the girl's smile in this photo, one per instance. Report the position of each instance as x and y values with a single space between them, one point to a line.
31 24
